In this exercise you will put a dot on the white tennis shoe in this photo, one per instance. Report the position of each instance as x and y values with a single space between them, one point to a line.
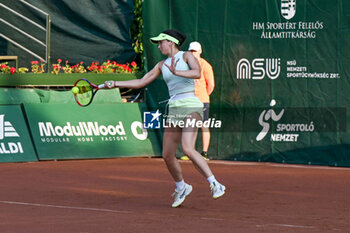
181 195
217 189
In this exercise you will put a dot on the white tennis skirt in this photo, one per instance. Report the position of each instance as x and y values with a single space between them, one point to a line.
183 105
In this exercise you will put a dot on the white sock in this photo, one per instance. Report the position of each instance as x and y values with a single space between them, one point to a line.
211 179
180 185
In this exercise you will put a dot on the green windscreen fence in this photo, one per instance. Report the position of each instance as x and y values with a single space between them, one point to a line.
32 95
81 30
281 75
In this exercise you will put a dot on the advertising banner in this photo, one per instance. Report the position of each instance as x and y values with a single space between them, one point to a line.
67 131
15 141
281 75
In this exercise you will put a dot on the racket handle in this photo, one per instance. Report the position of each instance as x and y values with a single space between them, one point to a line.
101 86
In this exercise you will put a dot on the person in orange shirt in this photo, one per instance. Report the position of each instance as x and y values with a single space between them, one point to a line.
203 88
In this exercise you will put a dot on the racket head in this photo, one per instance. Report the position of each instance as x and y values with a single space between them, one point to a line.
86 92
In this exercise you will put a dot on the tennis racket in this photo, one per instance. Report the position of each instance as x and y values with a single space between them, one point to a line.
84 91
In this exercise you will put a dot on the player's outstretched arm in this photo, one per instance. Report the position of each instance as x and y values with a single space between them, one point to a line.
138 83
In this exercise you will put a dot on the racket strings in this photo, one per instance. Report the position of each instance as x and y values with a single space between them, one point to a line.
85 94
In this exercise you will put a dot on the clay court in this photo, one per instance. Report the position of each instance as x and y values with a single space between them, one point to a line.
133 195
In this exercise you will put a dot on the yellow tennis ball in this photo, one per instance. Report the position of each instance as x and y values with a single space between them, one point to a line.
75 90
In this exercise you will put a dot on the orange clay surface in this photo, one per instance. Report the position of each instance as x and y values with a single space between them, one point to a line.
134 195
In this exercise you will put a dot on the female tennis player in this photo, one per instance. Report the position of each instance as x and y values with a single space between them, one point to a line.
179 71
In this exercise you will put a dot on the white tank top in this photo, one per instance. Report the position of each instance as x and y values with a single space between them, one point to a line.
177 84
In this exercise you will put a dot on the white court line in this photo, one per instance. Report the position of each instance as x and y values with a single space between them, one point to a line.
214 219
287 225
304 166
64 207
293 226
267 164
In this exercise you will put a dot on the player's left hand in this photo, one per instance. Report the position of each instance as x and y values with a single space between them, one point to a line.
172 67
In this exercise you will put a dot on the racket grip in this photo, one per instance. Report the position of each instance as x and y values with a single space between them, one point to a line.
101 86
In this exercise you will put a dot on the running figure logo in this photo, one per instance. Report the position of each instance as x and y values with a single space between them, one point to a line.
264 117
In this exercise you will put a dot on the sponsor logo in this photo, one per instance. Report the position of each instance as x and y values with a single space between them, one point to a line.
6 128
151 120
47 129
264 117
88 131
276 30
8 131
294 70
288 8
193 123
293 129
156 120
259 68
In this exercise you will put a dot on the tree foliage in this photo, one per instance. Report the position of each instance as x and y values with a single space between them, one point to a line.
137 32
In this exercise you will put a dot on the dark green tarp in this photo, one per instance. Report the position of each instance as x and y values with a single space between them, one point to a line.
267 55
81 30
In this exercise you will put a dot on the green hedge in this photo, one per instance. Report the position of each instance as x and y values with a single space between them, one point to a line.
13 80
